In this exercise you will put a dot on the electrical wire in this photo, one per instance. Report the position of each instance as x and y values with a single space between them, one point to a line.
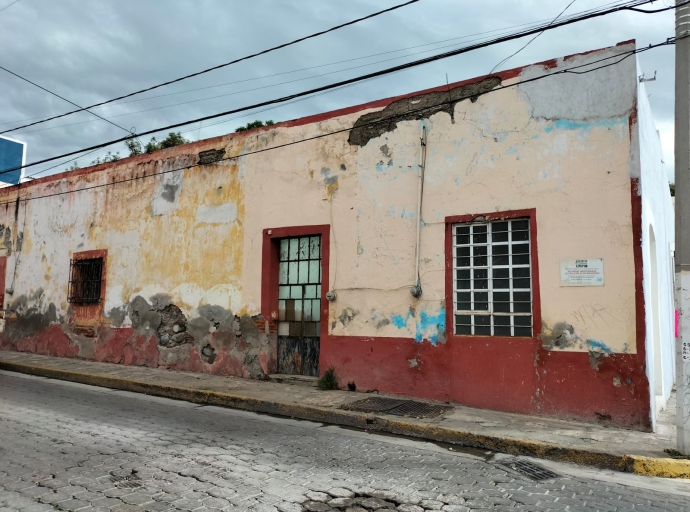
530 41
620 58
309 92
263 52
9 5
65 99
253 113
227 94
466 37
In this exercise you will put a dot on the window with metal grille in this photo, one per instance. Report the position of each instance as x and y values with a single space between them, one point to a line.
85 281
492 278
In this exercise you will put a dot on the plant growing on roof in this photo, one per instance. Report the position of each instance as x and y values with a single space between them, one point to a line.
253 124
173 139
109 157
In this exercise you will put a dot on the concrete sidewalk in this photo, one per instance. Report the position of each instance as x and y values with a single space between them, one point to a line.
567 441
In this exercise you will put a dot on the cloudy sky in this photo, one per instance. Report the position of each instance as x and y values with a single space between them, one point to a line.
92 50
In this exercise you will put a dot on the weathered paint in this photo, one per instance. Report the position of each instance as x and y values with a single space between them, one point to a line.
191 243
657 221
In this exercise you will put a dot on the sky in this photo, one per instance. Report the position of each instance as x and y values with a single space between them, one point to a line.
91 51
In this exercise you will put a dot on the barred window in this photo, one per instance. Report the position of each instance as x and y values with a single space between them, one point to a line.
85 281
492 278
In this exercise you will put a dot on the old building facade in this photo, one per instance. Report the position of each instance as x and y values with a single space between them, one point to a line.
503 242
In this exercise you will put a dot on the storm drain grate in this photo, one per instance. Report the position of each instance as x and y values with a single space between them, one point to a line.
374 404
407 408
530 470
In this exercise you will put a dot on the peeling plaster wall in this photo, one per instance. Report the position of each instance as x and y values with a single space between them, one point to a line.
657 214
175 247
193 239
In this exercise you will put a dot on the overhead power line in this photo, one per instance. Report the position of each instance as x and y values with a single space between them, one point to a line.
244 115
360 78
64 99
234 93
9 5
465 37
530 41
571 70
263 52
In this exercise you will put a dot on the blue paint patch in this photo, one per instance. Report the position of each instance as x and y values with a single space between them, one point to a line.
566 124
511 150
430 326
400 321
407 215
457 181
596 344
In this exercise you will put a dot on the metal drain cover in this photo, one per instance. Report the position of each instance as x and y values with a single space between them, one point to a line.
407 408
530 470
374 404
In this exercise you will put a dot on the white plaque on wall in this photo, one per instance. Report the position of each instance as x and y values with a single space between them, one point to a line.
582 272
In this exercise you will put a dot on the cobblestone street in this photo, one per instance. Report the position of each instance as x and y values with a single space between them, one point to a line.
66 446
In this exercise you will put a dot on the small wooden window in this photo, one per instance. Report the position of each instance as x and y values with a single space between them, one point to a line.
85 282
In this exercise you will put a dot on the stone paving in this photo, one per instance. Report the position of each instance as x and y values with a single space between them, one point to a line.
65 446
571 435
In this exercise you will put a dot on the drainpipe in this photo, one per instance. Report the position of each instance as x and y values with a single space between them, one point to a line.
416 290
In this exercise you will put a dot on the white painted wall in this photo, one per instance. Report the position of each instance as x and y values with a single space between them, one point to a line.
657 213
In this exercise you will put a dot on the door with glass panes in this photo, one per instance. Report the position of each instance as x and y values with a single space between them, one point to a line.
299 305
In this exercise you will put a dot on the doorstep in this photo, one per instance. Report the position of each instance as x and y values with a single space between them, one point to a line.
567 441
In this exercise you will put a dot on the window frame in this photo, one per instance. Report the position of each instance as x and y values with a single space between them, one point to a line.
74 284
90 310
484 218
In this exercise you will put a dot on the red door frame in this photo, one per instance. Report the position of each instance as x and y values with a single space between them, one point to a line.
270 266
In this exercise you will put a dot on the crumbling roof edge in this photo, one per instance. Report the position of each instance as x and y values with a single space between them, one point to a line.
301 121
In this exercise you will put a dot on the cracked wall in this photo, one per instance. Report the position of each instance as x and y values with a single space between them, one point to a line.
193 234
185 246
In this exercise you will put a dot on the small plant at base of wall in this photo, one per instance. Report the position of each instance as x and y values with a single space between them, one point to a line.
675 454
329 380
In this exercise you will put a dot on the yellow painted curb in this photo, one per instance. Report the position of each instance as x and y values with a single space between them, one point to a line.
666 467
647 466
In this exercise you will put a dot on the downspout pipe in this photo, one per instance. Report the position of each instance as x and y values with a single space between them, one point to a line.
416 290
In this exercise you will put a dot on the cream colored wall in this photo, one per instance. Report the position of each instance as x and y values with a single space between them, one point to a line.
511 149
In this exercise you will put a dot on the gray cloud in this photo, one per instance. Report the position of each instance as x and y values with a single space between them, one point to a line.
95 50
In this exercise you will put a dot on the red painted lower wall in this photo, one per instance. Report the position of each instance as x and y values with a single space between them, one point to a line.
126 346
518 377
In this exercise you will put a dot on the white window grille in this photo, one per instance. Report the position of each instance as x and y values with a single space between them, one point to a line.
492 278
